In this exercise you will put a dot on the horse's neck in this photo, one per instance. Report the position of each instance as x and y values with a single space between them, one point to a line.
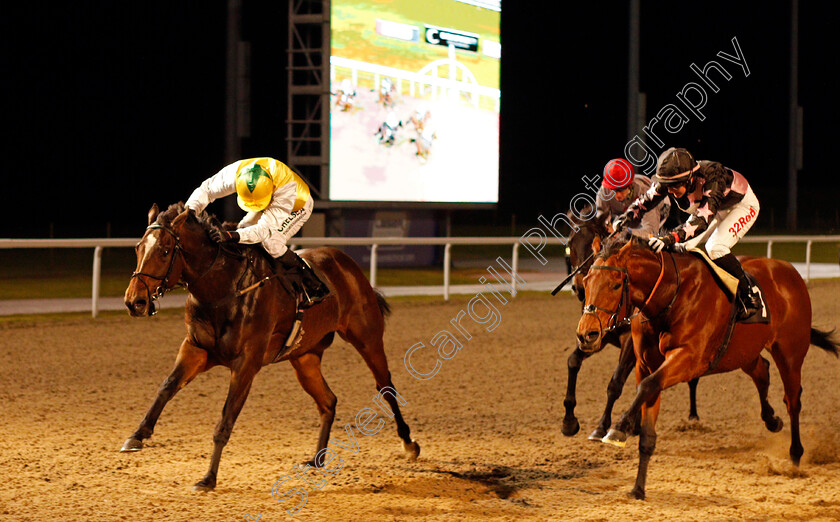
655 279
665 278
216 277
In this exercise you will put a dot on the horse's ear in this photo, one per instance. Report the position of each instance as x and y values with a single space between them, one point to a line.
605 219
180 218
596 244
153 213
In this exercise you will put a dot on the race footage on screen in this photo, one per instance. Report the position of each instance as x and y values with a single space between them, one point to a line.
415 100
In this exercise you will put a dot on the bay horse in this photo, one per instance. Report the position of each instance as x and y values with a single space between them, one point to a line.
682 331
580 247
238 315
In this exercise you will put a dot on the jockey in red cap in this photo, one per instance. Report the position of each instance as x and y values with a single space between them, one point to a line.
621 186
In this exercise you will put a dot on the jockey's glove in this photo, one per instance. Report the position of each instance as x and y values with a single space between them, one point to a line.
657 244
620 222
224 236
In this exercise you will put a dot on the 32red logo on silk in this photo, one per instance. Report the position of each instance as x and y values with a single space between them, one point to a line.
742 222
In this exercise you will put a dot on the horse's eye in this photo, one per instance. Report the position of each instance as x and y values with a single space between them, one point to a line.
616 286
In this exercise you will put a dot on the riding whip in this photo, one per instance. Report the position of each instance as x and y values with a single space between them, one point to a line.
581 265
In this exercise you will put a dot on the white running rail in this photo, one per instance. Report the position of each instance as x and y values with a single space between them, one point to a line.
447 242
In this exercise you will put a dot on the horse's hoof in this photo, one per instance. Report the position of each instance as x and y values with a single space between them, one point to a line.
570 427
412 450
615 438
694 417
637 493
132 444
204 486
597 435
775 424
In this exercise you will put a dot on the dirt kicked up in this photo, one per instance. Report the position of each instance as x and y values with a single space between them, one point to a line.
489 424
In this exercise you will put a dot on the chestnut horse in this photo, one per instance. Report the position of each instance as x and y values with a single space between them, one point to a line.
683 331
580 248
239 315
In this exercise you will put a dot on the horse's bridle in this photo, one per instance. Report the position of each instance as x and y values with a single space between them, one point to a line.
163 286
624 301
625 297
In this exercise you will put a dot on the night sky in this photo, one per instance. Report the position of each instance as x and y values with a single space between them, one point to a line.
111 106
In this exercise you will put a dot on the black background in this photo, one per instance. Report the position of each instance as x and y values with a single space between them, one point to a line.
111 106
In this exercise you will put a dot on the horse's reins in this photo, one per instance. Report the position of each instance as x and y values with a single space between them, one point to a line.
659 280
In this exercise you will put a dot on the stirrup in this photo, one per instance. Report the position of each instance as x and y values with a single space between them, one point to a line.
746 310
307 301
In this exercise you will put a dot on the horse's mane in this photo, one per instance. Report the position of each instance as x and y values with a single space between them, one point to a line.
208 222
596 224
611 246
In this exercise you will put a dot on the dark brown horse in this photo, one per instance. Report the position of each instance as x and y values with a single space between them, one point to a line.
580 248
682 330
239 315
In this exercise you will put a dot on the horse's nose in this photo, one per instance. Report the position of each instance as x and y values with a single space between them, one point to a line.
588 339
136 307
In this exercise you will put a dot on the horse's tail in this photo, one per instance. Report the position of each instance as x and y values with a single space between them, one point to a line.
826 341
384 307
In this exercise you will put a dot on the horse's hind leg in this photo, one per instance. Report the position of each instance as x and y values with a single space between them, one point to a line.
373 352
692 397
571 425
759 370
308 370
190 362
790 369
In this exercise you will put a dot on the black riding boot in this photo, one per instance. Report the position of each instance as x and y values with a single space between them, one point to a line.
749 301
313 290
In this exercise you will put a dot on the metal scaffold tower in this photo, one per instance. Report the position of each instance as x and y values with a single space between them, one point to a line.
308 76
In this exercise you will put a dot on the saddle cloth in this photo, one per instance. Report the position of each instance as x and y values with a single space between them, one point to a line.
729 284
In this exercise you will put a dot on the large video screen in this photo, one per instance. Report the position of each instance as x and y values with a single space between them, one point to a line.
414 112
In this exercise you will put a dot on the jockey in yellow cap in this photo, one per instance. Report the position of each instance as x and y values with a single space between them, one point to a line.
277 202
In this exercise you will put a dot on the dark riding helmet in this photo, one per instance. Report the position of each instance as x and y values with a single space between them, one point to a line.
675 166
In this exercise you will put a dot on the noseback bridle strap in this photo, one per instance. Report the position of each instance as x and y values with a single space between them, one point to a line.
624 301
625 295
163 287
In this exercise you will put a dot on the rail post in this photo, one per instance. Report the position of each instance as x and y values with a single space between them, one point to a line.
808 261
97 278
447 263
514 263
373 265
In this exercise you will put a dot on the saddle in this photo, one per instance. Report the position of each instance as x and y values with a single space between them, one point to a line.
729 284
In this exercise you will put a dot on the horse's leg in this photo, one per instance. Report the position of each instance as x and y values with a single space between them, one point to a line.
240 384
570 423
308 370
373 352
647 443
190 361
790 369
692 397
679 363
759 370
626 363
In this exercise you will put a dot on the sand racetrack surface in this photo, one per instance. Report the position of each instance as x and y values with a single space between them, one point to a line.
73 389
